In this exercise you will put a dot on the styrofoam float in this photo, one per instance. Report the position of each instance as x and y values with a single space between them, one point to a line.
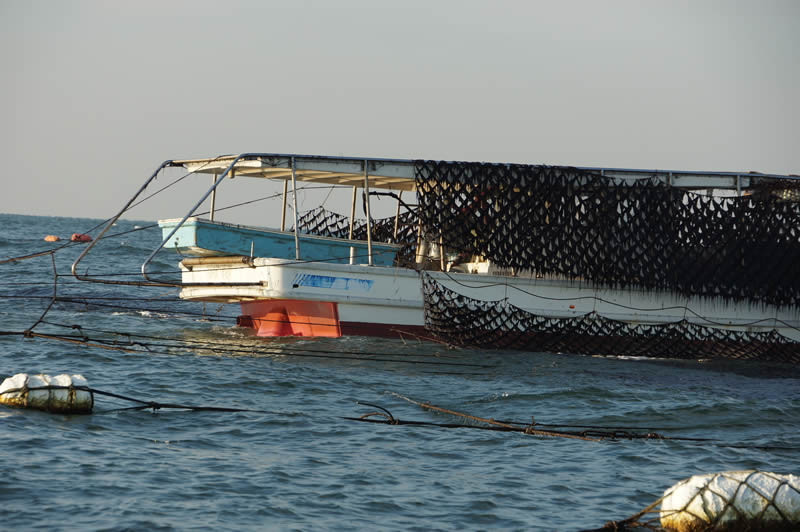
748 500
42 392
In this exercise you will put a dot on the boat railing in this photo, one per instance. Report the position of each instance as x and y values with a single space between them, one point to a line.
737 181
108 226
229 171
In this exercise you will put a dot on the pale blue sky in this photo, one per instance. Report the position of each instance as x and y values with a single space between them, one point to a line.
95 94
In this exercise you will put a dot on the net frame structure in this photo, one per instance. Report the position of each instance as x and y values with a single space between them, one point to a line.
323 222
642 235
590 229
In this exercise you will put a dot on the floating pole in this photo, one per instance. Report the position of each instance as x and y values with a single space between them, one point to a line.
528 430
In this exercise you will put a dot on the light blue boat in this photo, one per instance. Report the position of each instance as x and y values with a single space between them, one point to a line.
198 237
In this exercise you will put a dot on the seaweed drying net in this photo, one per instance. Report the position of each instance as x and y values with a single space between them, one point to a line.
323 222
464 321
568 222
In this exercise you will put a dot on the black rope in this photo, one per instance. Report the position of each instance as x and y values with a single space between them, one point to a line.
114 345
607 434
143 405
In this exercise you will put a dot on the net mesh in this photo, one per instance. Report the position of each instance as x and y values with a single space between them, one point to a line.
734 500
323 222
562 221
463 321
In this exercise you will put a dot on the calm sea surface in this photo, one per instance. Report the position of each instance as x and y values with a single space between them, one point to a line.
296 464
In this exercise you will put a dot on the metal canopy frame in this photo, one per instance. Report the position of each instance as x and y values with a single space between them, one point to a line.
398 174
391 174
387 174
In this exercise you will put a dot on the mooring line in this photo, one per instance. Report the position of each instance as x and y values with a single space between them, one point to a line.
366 357
527 430
594 436
143 405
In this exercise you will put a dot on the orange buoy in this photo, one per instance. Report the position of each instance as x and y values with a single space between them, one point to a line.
80 237
51 238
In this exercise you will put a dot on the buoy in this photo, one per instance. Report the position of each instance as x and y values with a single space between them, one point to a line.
80 237
52 394
746 500
51 238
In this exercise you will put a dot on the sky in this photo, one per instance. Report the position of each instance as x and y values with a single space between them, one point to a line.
94 95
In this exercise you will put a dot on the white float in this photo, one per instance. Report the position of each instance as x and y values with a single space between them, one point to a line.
43 392
751 499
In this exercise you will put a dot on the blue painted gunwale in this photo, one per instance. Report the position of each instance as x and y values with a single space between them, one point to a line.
199 237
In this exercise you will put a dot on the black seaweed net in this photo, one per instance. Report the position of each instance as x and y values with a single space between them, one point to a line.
460 320
568 222
320 221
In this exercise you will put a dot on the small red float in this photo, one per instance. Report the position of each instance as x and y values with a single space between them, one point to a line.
80 237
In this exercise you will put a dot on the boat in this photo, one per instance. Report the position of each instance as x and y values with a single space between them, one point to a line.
588 260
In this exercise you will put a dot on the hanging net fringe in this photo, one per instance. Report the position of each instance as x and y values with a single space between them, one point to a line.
573 224
463 321
562 221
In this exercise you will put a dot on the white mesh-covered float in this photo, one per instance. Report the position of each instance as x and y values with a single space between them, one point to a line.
734 500
66 394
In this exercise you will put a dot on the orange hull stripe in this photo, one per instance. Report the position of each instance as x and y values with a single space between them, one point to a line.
291 317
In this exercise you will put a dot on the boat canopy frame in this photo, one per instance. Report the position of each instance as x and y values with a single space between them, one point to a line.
378 173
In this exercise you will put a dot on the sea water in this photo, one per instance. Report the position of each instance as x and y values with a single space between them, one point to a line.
294 462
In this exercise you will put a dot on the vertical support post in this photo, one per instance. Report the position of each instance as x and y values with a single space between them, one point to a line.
397 215
418 252
294 206
352 221
738 185
213 195
441 252
366 208
283 205
441 244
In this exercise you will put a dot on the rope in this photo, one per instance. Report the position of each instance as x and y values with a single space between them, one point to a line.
605 434
146 348
155 405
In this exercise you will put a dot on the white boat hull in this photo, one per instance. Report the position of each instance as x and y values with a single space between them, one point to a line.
369 300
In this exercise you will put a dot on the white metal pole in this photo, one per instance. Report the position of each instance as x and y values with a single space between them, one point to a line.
213 195
352 221
366 207
283 206
294 206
